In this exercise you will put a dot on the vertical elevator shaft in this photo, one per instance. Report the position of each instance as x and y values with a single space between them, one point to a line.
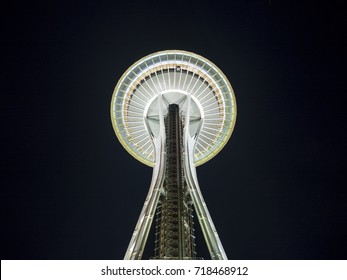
174 216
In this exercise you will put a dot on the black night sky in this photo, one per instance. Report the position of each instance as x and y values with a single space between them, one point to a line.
70 191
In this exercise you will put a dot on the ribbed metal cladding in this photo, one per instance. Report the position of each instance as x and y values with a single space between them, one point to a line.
174 227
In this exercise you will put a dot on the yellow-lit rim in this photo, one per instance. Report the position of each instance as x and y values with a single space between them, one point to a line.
225 138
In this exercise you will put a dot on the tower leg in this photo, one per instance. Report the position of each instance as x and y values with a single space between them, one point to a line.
140 235
209 231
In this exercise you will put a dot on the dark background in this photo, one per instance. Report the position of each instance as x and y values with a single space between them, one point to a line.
70 191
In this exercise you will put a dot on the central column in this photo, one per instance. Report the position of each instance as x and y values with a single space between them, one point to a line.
175 239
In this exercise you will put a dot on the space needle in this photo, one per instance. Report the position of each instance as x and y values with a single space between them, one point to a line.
173 110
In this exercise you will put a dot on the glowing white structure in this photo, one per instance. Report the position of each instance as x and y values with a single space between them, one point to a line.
207 113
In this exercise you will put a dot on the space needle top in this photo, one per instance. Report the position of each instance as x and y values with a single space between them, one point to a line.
174 75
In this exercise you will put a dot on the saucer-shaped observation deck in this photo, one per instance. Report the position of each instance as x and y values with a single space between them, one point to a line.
174 74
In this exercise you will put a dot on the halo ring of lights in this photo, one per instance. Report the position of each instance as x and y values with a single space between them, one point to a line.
174 74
